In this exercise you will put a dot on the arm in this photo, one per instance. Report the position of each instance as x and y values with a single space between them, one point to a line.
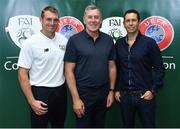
158 69
112 76
117 94
78 105
26 87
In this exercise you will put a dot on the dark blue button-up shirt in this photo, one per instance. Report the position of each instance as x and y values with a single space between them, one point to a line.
140 67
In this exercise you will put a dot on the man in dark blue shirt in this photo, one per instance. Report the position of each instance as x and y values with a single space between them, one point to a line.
140 73
90 71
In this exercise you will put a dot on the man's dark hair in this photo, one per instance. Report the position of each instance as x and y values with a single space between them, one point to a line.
49 8
132 11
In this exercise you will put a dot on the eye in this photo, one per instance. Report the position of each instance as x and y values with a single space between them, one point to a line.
56 20
89 17
96 17
48 19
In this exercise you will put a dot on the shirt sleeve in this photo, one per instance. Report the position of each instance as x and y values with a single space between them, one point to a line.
158 67
112 55
117 85
25 56
71 52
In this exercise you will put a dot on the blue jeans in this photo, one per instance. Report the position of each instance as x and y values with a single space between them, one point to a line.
132 104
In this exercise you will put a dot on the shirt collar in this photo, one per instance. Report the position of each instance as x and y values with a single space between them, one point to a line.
88 36
137 38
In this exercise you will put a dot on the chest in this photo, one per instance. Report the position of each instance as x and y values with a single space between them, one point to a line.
136 52
48 50
93 49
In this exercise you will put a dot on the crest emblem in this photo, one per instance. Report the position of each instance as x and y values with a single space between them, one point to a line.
21 27
114 27
158 28
69 26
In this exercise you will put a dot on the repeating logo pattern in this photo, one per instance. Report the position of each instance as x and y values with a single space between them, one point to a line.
21 27
114 27
158 28
69 26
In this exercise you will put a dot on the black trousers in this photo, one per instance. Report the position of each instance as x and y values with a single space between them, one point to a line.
95 99
56 100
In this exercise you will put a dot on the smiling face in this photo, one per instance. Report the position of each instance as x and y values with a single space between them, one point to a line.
92 20
131 22
49 23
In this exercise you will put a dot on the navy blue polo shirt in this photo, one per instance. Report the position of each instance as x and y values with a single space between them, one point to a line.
91 58
140 67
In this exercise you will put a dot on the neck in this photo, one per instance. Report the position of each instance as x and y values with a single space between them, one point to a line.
94 35
49 35
132 38
133 35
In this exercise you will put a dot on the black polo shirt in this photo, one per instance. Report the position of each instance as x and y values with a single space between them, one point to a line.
91 58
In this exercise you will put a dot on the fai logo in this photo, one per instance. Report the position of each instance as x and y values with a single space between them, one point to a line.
21 27
69 26
158 28
114 27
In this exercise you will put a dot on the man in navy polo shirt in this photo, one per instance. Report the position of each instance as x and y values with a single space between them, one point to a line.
90 71
140 73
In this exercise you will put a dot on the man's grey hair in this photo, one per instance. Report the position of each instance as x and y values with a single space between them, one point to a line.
92 7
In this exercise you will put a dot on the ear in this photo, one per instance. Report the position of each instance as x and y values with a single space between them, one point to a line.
84 20
101 20
140 22
40 19
123 22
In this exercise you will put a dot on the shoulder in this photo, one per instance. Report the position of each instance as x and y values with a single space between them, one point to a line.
147 39
77 35
150 42
31 41
104 35
119 41
34 38
61 37
106 39
77 38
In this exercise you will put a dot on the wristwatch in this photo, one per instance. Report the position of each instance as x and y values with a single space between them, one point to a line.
110 89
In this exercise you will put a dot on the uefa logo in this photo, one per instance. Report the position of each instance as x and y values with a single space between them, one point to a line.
158 28
21 27
69 26
114 27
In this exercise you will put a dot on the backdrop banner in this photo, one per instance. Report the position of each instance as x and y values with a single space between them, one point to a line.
20 19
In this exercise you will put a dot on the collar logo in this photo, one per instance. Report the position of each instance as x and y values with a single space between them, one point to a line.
21 27
158 28
69 26
114 27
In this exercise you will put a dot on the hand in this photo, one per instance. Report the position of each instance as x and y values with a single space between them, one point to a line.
79 108
147 95
117 96
110 99
39 107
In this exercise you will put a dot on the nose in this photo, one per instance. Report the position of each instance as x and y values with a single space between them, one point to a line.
51 22
92 18
130 22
